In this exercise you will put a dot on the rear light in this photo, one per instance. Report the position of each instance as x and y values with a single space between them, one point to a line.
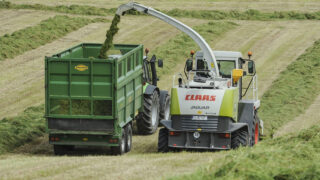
54 139
174 133
113 140
225 135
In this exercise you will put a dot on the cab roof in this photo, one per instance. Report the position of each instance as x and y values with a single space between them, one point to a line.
227 54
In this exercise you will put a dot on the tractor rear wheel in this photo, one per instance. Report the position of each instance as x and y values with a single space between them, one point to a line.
128 137
165 110
121 149
239 138
163 140
149 119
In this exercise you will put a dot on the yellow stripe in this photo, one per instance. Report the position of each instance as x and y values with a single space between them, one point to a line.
175 106
230 99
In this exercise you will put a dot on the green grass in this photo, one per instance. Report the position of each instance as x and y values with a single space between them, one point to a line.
177 49
288 157
250 14
293 92
201 14
73 9
23 128
46 31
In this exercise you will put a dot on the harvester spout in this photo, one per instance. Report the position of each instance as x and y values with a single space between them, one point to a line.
207 51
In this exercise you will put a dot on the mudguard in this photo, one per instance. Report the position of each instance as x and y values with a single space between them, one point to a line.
167 124
236 126
150 89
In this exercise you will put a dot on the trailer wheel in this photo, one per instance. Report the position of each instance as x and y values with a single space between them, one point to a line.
121 149
149 120
163 140
128 137
239 138
165 110
62 149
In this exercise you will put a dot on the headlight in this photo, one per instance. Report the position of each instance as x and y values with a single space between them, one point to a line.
196 135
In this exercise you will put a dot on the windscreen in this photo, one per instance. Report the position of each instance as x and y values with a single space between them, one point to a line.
226 67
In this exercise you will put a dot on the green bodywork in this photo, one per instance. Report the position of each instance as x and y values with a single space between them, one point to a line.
79 85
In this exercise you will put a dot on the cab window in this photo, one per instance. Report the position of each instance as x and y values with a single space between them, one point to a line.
226 67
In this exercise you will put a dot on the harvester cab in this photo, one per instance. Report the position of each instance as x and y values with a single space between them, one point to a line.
208 109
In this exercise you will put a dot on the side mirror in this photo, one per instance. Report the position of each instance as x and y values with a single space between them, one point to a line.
160 63
189 64
251 68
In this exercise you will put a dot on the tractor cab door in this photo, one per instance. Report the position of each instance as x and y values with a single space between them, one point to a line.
146 71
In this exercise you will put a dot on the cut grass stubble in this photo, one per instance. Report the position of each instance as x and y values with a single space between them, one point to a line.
47 31
250 14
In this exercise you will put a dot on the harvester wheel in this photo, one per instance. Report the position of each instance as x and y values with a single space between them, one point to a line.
129 137
163 140
121 149
255 131
165 110
149 119
62 149
239 138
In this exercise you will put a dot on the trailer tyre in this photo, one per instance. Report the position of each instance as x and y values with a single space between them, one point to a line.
149 119
128 138
163 140
165 110
239 138
121 149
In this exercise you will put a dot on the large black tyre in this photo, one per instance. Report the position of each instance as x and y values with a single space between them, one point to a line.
239 138
149 119
165 109
163 140
121 149
62 149
128 137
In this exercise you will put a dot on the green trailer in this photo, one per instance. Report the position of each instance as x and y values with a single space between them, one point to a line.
91 101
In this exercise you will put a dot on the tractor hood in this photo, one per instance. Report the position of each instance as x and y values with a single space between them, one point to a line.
205 102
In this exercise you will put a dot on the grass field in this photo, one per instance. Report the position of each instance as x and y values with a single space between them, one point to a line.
277 47
13 20
272 5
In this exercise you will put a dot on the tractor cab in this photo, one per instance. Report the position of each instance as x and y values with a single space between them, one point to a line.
149 68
